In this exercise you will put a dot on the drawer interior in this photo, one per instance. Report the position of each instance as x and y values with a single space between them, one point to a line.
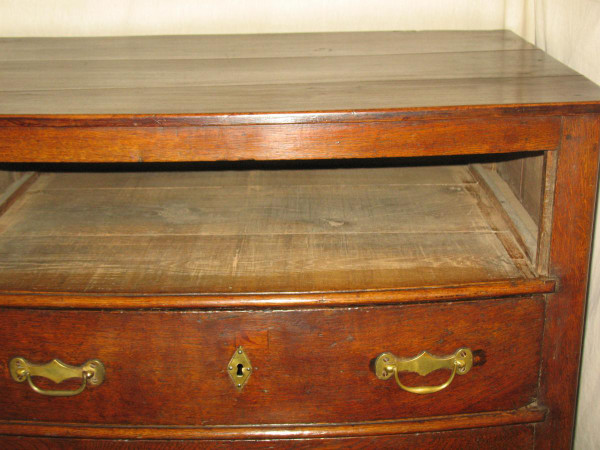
275 227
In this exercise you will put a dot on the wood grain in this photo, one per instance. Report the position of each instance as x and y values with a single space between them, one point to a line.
21 182
403 173
517 437
153 73
317 96
262 207
277 142
256 232
525 177
309 366
7 178
511 208
487 289
287 79
256 45
533 183
545 234
574 204
288 103
280 73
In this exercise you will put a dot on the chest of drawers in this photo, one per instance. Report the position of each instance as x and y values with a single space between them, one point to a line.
322 240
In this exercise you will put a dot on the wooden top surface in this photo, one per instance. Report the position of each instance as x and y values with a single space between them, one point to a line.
285 73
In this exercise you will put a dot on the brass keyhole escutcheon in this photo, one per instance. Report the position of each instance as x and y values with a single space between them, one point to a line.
239 368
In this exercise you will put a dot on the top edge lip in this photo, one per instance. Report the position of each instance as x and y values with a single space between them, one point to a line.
300 116
391 296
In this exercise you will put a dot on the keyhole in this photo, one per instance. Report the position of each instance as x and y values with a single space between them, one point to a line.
240 371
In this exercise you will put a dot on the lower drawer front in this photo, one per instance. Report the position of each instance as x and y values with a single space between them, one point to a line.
309 366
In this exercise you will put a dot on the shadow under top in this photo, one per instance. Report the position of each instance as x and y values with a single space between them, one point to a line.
279 73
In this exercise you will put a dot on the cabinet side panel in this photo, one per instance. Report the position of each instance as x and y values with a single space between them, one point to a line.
525 177
574 204
532 186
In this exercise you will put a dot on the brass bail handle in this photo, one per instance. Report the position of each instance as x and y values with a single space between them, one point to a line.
424 363
91 373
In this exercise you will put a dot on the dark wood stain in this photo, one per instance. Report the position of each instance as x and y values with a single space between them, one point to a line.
574 203
277 141
170 368
517 437
309 334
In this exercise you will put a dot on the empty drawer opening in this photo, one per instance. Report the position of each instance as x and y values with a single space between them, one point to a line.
275 227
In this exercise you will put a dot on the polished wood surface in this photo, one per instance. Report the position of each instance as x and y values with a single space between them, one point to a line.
255 72
256 231
277 142
309 366
517 437
527 415
277 73
485 289
255 45
118 99
573 220
314 272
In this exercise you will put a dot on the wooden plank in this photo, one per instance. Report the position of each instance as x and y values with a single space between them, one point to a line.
256 45
545 234
257 263
273 142
516 215
315 96
206 176
320 232
573 219
511 171
133 74
247 210
319 72
17 188
533 185
300 97
524 175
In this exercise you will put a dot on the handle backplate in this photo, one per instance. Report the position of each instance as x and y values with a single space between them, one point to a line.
388 365
91 373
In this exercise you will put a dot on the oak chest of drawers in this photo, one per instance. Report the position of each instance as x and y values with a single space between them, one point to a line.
322 240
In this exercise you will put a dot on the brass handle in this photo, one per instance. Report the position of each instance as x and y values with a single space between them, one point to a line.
91 373
387 365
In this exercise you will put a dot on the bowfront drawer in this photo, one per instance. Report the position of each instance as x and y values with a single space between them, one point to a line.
295 366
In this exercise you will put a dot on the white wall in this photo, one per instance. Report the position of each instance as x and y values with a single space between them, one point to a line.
568 29
142 17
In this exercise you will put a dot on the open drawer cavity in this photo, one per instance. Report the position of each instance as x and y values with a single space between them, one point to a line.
281 228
